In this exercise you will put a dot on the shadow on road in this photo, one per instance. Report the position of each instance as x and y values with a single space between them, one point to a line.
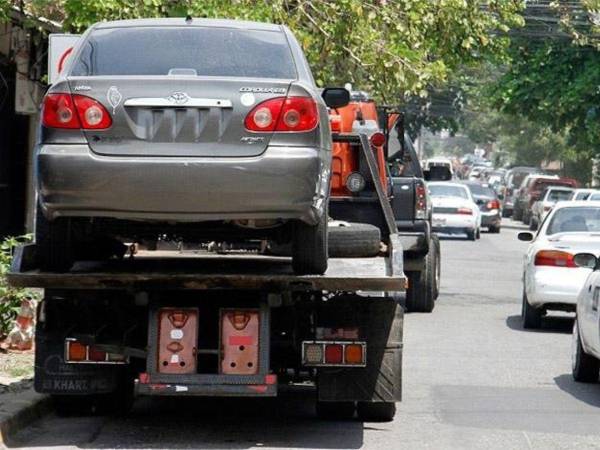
550 324
585 392
284 422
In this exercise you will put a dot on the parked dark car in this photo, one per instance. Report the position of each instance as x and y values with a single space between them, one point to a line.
489 205
511 182
532 189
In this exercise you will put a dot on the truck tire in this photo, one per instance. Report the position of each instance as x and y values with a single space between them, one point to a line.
117 403
335 410
358 240
584 367
309 247
54 246
376 411
435 240
420 295
532 317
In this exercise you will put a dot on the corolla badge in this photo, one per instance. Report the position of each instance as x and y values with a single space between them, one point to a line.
179 98
114 97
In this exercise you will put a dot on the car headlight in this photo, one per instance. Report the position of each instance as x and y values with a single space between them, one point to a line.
355 182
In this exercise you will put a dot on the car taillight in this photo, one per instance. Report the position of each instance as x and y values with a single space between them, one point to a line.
493 204
466 211
420 200
377 139
74 112
555 258
283 114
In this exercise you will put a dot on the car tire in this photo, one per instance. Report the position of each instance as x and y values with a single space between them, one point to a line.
506 213
53 239
420 295
494 229
533 224
435 244
584 367
376 411
517 214
309 247
478 235
335 410
471 235
357 240
532 317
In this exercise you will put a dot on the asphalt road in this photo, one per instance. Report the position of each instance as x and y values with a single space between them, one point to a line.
473 378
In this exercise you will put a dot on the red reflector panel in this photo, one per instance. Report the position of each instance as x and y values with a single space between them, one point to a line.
177 340
240 334
334 354
354 354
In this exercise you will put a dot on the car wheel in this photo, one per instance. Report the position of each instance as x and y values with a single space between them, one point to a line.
356 240
494 229
506 213
478 235
532 317
420 295
335 410
54 246
471 236
376 411
309 247
584 367
517 214
435 242
533 224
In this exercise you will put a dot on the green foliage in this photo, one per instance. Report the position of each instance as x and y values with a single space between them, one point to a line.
391 48
10 298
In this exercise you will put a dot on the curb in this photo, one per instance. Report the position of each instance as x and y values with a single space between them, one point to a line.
17 410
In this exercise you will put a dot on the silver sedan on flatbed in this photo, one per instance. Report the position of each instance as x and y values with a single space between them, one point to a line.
197 129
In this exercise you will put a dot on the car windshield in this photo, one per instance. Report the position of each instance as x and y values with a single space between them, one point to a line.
447 190
557 196
479 190
575 219
202 51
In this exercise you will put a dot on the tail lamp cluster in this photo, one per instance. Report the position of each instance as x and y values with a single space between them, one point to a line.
334 354
283 114
493 204
420 200
554 258
76 352
464 211
74 112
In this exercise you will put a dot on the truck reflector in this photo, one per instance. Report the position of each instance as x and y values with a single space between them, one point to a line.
334 353
239 341
177 340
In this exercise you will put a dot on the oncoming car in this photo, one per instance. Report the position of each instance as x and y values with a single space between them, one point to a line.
551 279
217 133
454 210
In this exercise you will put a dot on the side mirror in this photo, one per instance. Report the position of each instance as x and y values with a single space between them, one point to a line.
336 97
586 260
525 236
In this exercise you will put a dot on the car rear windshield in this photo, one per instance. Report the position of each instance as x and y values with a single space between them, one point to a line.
447 190
557 195
575 219
481 191
202 51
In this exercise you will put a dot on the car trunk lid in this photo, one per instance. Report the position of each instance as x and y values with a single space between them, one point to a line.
177 115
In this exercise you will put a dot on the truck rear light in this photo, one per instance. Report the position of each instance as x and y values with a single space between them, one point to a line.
240 336
68 111
334 353
76 352
555 258
283 114
177 340
420 200
377 139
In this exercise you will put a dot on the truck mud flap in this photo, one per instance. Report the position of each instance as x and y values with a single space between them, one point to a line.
54 376
381 323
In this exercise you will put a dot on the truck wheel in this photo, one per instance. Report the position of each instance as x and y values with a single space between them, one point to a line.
584 367
532 317
335 410
420 294
54 244
435 240
118 403
376 411
309 247
354 241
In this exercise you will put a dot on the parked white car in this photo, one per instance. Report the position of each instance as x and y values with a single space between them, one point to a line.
454 209
551 279
544 205
585 349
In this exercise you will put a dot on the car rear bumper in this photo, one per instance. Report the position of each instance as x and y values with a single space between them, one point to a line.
281 183
449 223
556 285
490 219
